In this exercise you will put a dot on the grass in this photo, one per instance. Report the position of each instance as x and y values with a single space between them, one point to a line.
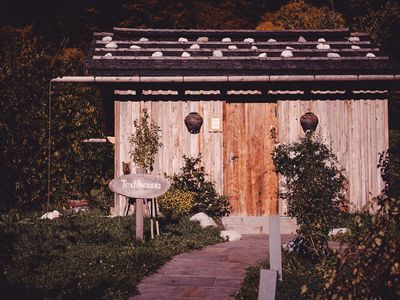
87 256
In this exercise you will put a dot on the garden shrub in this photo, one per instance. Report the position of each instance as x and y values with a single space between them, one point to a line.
192 178
145 141
370 266
176 203
85 256
314 190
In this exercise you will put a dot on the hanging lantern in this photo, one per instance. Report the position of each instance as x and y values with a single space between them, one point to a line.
193 122
309 122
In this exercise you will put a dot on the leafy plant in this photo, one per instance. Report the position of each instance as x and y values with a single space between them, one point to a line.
192 178
370 267
145 142
176 203
314 189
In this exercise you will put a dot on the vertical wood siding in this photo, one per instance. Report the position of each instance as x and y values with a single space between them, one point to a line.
250 180
177 141
356 131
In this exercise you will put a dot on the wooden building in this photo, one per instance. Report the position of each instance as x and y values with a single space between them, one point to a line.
245 84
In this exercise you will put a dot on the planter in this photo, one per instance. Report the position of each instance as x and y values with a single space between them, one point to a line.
309 122
193 122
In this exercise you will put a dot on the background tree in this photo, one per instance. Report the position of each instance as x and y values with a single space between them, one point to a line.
301 15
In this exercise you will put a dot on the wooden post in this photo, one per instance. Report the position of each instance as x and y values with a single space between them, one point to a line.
275 244
267 285
139 211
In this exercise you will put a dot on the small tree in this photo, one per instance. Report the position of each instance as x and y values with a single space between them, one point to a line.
145 142
314 189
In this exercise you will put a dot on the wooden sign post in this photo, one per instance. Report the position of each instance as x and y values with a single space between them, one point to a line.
139 186
139 212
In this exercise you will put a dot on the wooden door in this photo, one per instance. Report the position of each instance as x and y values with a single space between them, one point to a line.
250 180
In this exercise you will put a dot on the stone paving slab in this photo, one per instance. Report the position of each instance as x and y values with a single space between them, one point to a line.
215 272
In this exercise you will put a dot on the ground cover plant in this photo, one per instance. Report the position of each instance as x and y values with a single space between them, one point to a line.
87 256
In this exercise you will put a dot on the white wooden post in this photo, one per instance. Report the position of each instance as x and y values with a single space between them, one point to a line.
275 244
267 286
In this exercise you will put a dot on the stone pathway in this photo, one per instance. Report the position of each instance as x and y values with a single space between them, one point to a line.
214 272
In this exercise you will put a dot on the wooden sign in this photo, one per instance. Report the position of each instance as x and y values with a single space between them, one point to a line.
139 186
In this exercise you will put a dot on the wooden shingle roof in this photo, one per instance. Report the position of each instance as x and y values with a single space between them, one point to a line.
156 52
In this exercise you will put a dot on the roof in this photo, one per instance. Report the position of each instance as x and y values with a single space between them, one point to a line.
165 52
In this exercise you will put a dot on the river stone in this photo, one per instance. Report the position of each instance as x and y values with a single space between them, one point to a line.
231 235
204 220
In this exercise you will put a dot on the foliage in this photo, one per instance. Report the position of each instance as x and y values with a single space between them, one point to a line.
299 274
145 141
300 15
249 287
381 19
26 67
370 267
175 203
192 178
86 256
314 189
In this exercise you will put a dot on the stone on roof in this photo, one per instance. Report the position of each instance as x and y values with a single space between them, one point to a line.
134 52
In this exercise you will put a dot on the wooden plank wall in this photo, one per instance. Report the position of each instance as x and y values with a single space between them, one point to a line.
356 131
250 179
177 141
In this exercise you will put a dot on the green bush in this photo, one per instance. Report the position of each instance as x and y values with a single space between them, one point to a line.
176 203
145 142
192 178
370 266
314 190
87 256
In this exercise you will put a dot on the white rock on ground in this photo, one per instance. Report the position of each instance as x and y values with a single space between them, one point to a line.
182 40
271 41
108 55
143 39
51 215
369 54
253 48
355 47
321 40
135 47
231 235
204 220
226 40
232 47
262 54
336 231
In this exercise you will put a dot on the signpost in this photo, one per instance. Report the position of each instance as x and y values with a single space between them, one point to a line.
139 186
